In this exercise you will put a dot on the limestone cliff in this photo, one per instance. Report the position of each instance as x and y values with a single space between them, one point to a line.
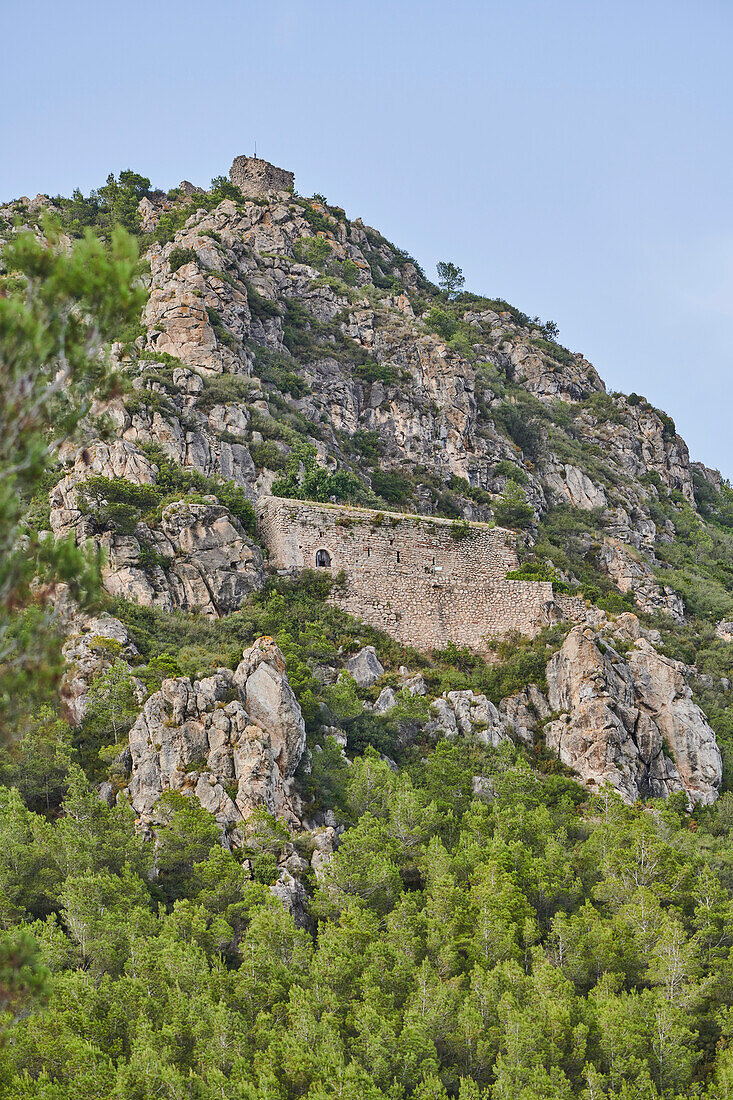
283 341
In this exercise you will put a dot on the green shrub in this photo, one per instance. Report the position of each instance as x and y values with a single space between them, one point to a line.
473 492
267 455
536 570
460 530
261 308
115 203
173 482
170 222
555 351
521 419
318 221
603 407
224 389
313 251
305 480
441 323
279 370
118 503
180 256
367 444
394 488
221 332
372 371
669 430
345 270
505 468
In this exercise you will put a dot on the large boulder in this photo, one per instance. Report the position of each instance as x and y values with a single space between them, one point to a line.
629 722
232 740
365 666
523 713
271 703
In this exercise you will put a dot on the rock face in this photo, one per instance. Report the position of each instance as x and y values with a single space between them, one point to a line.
467 713
233 740
86 653
365 666
197 558
629 721
663 693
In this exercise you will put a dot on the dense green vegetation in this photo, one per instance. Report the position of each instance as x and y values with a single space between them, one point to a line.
526 943
119 504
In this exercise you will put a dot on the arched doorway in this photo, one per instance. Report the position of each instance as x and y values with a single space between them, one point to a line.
323 559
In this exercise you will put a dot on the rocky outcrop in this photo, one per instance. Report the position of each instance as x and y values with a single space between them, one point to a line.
262 680
629 721
630 570
87 652
197 558
524 713
571 485
663 693
232 740
469 714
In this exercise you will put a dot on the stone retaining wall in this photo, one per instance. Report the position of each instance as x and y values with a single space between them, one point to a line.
425 581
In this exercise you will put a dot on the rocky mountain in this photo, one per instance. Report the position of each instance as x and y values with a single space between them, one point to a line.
253 845
286 348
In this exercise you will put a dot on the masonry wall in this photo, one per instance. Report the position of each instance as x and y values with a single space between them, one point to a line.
410 575
255 177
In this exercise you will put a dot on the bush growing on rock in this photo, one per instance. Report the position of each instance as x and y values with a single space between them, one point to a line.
181 256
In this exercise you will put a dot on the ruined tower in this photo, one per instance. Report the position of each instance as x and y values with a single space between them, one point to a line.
257 178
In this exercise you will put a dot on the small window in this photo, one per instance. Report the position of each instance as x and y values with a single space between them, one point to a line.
398 555
323 559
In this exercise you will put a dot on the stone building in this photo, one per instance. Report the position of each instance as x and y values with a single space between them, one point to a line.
425 581
257 178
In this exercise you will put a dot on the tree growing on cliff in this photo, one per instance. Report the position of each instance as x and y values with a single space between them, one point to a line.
512 508
304 479
450 278
111 703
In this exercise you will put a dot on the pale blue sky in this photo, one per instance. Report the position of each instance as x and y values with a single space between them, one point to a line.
575 158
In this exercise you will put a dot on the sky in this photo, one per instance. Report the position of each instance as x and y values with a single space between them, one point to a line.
574 158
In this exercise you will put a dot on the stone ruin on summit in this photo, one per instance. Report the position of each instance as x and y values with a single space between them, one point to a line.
257 178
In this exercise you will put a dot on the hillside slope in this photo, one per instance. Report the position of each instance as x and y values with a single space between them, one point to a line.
284 345
269 850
